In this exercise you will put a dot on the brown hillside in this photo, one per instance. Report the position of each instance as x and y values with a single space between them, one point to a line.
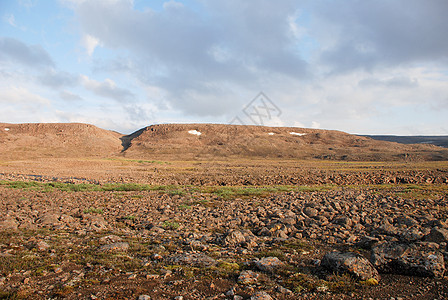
23 141
175 141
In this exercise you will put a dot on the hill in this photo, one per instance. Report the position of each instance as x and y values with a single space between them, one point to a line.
201 141
205 141
62 140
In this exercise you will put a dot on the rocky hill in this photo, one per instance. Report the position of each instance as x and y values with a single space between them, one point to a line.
201 141
37 140
205 141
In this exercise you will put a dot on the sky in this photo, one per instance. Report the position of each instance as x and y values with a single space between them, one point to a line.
360 66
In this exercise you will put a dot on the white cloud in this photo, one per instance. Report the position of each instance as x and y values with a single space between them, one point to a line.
10 19
90 43
22 96
107 89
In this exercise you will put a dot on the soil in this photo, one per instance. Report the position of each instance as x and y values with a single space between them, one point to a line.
87 213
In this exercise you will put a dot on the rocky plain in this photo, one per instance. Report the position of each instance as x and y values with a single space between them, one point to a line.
222 223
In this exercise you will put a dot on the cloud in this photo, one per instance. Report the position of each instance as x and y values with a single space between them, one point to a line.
200 57
372 34
107 89
20 95
57 79
69 96
29 55
10 19
90 43
391 82
19 104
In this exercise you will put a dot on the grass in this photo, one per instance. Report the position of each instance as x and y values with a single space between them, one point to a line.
410 191
93 210
171 225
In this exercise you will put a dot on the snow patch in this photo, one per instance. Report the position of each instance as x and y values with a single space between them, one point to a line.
271 133
296 133
195 132
6 129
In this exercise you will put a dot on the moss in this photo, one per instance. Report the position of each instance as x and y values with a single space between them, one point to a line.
170 225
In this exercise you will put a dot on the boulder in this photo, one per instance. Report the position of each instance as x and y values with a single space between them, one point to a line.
261 296
269 264
9 223
310 212
194 260
248 277
121 246
420 259
351 263
437 235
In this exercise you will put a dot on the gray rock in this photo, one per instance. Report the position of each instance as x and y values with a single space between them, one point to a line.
367 242
9 223
437 235
121 246
144 297
261 296
42 246
387 229
411 235
343 221
421 259
49 219
352 263
234 238
110 239
194 260
310 212
248 277
269 264
406 220
95 223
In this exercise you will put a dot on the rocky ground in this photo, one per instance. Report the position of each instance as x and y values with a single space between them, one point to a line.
386 241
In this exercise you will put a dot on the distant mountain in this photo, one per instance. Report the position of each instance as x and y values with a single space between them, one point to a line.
441 141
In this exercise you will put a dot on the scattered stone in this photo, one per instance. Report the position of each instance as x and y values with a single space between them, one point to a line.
367 242
234 238
269 264
9 223
110 239
261 296
120 246
50 220
310 212
95 222
194 260
420 259
284 290
351 263
42 246
437 235
248 277
144 297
